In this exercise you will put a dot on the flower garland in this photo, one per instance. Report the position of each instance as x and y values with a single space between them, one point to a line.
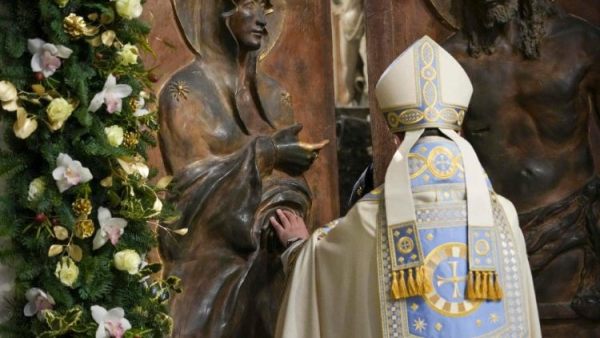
79 207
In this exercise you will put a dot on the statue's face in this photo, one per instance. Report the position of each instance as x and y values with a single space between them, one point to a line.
498 11
248 23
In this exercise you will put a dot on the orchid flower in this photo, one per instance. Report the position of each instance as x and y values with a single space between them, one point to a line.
69 173
112 95
110 228
140 109
111 323
38 302
46 56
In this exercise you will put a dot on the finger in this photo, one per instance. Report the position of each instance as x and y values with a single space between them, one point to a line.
283 219
278 227
290 216
314 146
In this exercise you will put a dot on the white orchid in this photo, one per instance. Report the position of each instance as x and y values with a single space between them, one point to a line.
24 126
112 95
110 228
46 56
140 110
37 302
8 96
111 323
69 173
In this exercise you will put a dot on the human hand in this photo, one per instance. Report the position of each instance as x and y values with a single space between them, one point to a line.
295 157
289 228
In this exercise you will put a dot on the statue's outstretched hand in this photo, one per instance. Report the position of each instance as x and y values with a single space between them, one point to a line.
294 157
289 227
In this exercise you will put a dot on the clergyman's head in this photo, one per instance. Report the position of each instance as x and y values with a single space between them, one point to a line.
247 22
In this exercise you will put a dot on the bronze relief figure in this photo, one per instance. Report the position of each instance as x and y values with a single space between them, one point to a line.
536 78
229 138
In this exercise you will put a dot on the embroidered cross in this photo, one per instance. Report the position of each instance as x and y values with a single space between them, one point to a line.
454 279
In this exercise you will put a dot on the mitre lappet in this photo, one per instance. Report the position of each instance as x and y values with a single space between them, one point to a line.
426 88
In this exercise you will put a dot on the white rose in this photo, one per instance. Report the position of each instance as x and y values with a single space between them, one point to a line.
129 9
58 112
128 55
128 260
67 271
114 135
36 189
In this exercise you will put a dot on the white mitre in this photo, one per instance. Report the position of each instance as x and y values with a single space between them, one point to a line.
424 87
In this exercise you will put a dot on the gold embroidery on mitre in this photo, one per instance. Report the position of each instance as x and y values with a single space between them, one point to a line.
430 111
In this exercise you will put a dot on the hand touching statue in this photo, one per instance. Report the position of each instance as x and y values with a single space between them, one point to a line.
289 228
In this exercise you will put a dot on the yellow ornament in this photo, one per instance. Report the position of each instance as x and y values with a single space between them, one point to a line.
24 126
82 207
84 228
76 26
130 139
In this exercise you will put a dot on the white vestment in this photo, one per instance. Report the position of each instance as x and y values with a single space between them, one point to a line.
334 290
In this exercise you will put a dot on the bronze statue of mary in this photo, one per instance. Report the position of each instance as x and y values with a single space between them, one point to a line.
229 138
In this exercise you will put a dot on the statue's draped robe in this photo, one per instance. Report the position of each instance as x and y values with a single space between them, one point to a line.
231 283
336 289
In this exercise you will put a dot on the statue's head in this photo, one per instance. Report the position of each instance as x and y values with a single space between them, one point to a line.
247 22
219 29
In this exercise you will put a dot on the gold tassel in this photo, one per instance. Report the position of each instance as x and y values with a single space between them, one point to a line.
395 286
471 286
484 285
497 287
419 280
477 284
426 282
491 289
402 285
412 285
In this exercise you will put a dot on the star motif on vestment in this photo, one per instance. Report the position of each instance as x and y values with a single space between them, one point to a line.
478 322
493 318
438 326
429 236
413 257
414 307
419 324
